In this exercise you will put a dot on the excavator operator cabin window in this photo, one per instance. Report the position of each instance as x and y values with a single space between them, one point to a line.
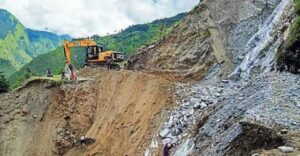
92 52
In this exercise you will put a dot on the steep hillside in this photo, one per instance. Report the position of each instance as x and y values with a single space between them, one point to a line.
231 98
240 105
208 36
19 45
43 42
138 35
111 110
13 42
6 66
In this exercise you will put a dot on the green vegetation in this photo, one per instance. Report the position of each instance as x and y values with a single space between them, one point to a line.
18 45
127 41
54 60
297 6
294 35
20 79
43 42
288 56
132 38
6 66
11 48
52 81
3 83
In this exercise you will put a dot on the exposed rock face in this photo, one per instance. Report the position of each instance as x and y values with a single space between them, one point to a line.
188 49
214 32
242 37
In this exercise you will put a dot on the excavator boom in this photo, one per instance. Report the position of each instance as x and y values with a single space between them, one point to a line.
95 56
79 43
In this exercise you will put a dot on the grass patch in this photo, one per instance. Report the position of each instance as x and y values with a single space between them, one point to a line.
294 35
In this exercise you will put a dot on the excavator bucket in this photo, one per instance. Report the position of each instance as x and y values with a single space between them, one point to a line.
69 73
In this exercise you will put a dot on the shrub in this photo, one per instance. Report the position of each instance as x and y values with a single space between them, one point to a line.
294 35
297 6
3 83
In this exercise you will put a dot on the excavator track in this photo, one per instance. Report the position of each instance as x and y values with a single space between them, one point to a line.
116 67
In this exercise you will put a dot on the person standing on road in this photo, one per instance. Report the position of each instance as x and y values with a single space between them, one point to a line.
49 73
109 62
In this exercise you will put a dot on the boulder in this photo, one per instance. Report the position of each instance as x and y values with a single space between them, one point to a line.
203 105
286 149
284 131
191 112
164 133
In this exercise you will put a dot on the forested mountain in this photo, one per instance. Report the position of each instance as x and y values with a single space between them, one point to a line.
19 45
135 36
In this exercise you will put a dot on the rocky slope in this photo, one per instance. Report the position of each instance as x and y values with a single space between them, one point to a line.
232 101
244 114
207 37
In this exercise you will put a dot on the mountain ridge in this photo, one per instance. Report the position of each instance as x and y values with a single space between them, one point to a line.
19 45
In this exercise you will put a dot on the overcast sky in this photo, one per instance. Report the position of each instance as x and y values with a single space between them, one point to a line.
81 18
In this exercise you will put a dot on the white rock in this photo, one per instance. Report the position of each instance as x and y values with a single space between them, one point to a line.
191 112
166 141
186 104
174 140
286 149
164 133
205 92
169 136
203 105
185 118
197 105
171 120
194 101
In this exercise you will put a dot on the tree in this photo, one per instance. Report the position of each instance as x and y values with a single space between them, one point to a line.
3 83
26 75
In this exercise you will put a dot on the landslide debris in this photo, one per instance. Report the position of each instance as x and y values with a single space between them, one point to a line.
214 33
118 112
189 51
238 79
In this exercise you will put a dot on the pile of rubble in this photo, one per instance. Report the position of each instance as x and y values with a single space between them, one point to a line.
192 103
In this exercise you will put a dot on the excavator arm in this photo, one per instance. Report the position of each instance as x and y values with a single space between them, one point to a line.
70 71
79 43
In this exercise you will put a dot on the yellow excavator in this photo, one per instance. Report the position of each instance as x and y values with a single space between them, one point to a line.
95 56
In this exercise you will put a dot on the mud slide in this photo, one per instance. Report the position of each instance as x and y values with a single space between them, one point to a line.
118 113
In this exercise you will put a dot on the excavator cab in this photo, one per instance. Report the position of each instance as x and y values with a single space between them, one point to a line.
96 54
92 52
